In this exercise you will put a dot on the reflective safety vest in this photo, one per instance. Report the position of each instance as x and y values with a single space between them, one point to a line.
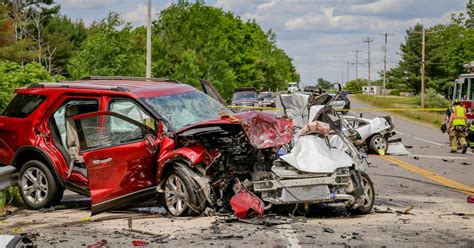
459 116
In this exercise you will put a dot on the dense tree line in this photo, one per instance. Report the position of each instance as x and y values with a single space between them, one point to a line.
190 41
448 48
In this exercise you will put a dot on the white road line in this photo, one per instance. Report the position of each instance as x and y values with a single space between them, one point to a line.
289 234
421 139
427 141
440 157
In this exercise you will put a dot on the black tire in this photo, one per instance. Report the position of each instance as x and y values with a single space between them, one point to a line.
378 142
59 196
188 189
369 190
46 187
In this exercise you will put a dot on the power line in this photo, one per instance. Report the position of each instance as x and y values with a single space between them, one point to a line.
423 68
357 63
368 40
385 61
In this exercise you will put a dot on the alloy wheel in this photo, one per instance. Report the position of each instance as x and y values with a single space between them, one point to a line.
175 195
380 143
34 185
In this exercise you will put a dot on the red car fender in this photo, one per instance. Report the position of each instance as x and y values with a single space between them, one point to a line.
192 154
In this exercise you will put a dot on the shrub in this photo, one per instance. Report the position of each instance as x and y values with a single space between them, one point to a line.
433 100
394 92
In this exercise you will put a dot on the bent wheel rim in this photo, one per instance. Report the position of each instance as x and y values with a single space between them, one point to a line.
380 143
175 195
367 192
34 185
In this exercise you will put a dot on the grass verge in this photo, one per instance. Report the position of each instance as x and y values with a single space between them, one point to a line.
10 196
430 117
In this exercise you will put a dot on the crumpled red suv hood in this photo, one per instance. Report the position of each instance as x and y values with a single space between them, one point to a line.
264 130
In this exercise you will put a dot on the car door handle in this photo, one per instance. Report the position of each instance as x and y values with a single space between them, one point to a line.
101 161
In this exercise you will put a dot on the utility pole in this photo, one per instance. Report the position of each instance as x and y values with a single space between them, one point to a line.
423 68
347 78
385 63
148 40
368 40
357 63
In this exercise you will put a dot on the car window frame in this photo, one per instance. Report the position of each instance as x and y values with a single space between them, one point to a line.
120 116
45 98
137 103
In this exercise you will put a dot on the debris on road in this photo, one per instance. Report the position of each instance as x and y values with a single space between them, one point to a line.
245 204
22 240
139 243
102 243
470 199
448 160
328 230
406 211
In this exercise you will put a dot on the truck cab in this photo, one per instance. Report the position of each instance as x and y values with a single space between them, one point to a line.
464 91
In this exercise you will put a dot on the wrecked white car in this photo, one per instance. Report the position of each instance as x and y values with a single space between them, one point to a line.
371 134
313 170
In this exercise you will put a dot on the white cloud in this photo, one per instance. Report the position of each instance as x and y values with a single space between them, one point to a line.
319 36
138 15
87 4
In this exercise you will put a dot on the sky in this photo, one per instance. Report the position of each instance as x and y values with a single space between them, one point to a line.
321 36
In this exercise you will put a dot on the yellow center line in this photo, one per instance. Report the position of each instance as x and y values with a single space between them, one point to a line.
430 175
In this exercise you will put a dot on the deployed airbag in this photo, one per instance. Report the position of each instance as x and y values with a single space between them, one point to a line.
312 154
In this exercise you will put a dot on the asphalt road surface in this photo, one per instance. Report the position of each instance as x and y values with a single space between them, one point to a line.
431 181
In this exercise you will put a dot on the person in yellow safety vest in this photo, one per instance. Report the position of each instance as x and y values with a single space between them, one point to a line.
457 127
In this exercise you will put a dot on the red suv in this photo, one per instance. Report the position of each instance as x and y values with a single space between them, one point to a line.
118 140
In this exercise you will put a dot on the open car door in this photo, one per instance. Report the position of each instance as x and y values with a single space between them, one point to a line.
120 157
211 91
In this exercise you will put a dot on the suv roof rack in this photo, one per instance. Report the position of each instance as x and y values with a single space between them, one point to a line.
129 78
65 85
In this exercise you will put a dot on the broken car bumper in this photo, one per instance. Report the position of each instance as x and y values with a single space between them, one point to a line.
307 189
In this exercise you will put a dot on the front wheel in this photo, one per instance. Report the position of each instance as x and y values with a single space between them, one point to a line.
378 143
369 194
178 193
38 189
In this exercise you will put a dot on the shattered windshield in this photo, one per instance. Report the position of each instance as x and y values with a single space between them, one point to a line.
185 109
245 95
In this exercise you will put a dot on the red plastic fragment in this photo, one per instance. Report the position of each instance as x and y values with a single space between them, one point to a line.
99 244
246 204
139 243
470 199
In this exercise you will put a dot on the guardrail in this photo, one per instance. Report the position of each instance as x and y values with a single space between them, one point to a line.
8 176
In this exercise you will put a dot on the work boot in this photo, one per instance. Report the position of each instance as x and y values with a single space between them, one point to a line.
464 149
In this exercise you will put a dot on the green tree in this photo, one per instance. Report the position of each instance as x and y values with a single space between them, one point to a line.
112 48
355 86
11 48
193 41
323 84
14 75
63 38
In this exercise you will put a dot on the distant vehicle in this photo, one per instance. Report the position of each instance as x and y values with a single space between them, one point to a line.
266 99
342 101
293 87
310 89
245 96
